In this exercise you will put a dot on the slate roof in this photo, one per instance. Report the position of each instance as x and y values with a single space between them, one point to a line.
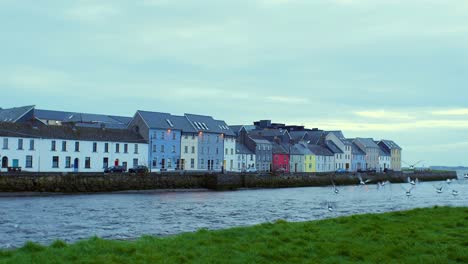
390 144
69 133
297 135
382 152
84 119
278 149
319 150
303 149
156 120
356 150
313 137
14 114
340 136
242 149
227 130
259 139
333 147
207 124
368 142
182 123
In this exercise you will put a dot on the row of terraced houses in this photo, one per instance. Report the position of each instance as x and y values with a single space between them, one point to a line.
58 141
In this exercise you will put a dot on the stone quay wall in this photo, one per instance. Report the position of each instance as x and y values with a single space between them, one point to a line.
99 182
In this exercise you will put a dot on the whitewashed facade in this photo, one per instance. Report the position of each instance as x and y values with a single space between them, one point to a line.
189 151
229 153
57 155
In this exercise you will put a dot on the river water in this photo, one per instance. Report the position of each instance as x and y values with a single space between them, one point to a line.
127 215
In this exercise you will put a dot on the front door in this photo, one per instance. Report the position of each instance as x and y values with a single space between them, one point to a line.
5 162
15 163
76 164
116 162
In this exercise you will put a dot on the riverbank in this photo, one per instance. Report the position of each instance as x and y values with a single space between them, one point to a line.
99 182
400 237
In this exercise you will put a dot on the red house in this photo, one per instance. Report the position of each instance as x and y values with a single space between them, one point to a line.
280 158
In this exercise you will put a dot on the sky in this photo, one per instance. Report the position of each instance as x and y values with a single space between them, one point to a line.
386 69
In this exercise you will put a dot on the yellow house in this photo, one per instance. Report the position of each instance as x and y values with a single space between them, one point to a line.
309 158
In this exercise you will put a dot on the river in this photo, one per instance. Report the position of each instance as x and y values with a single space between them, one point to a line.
128 215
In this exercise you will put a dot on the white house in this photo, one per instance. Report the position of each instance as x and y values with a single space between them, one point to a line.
245 159
342 157
384 160
68 149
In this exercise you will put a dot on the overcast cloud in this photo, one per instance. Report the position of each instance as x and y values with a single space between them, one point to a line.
384 69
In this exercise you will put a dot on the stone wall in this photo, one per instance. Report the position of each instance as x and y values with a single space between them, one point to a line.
99 182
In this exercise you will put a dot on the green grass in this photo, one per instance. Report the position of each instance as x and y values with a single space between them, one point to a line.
433 235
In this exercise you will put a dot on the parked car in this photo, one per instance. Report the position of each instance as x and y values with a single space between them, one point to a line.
138 169
341 171
252 169
115 169
388 170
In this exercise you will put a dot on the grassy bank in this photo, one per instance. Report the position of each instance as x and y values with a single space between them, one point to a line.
435 235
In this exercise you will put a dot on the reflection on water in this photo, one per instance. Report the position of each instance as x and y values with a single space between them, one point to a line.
132 214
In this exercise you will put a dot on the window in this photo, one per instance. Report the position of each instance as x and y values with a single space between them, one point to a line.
31 144
5 143
94 147
203 150
55 162
106 147
135 162
162 135
64 146
155 148
155 163
117 148
232 151
53 146
186 149
125 148
77 146
173 149
185 136
202 163
217 151
20 144
193 136
136 149
29 161
67 162
193 149
192 163
174 136
162 148
169 163
105 163
226 151
87 163
169 122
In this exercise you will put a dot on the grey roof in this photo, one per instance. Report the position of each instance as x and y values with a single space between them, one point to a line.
227 130
313 137
367 142
259 140
303 149
182 123
382 152
340 136
319 150
156 120
14 114
84 119
242 149
295 149
333 147
298 135
356 150
278 149
390 144
69 133
207 124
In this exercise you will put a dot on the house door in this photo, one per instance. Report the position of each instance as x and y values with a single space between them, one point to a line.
76 164
15 163
347 166
182 164
116 162
4 162
163 163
